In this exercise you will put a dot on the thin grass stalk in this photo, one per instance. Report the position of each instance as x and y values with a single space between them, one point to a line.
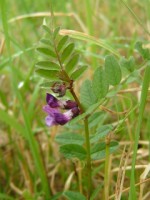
90 25
144 93
117 189
148 135
89 170
80 178
136 18
106 176
127 189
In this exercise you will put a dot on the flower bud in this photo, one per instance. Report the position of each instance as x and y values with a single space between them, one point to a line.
59 88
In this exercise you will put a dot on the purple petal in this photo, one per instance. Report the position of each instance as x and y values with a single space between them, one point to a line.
52 101
70 104
63 118
50 121
75 111
50 110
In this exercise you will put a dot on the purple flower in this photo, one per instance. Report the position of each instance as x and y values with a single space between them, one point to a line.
55 117
54 110
53 102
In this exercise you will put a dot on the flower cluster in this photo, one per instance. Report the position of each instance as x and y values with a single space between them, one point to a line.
54 109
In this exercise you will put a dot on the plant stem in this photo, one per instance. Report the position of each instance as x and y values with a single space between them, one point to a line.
89 171
86 126
80 178
106 180
76 99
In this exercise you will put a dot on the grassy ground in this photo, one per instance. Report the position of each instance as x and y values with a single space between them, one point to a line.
30 162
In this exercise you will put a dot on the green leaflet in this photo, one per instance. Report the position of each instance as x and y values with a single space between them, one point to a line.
101 133
48 74
62 43
46 51
129 64
56 32
67 52
76 74
112 69
63 76
100 83
46 29
98 150
97 118
47 65
72 63
70 195
57 196
88 98
47 42
69 138
47 84
71 151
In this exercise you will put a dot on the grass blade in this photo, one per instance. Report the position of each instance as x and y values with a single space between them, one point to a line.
90 39
9 120
136 17
145 85
28 131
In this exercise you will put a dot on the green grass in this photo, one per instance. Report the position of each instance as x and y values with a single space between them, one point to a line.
143 99
30 163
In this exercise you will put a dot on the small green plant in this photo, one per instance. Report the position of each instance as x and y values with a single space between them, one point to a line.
60 65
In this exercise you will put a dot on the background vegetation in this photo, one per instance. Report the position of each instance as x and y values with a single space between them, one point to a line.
30 162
